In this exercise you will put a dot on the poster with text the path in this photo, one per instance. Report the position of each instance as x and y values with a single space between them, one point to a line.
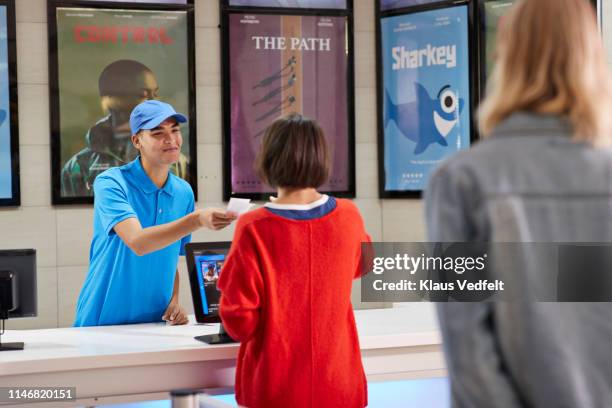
281 64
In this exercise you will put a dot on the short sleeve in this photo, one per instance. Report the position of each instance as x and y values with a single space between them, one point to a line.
111 203
187 238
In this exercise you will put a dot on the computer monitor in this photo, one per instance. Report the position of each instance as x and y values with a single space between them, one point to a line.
22 262
205 264
18 288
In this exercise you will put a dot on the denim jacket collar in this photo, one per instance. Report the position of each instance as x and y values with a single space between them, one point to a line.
529 124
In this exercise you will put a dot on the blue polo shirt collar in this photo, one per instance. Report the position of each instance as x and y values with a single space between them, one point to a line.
144 183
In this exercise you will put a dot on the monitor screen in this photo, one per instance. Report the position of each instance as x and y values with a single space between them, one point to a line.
204 264
22 263
209 268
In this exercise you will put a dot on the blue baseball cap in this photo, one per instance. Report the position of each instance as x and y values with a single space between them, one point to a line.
149 114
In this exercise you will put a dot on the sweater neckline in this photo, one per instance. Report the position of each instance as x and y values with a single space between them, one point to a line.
299 207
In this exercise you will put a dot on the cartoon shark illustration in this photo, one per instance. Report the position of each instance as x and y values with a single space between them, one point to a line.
426 120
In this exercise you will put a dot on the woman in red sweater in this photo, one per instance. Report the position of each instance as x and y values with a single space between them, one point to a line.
286 284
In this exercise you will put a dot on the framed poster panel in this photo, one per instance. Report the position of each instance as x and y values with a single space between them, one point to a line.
425 93
389 5
9 132
490 14
276 64
171 2
298 4
104 60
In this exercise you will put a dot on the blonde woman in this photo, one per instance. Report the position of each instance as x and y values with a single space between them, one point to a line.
543 174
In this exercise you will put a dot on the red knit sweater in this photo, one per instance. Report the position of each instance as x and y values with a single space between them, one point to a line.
286 296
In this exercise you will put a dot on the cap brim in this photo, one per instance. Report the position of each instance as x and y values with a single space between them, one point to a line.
155 122
180 118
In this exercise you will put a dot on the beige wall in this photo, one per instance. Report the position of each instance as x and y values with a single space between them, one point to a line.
61 235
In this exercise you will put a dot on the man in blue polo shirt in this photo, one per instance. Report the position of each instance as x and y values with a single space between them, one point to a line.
143 217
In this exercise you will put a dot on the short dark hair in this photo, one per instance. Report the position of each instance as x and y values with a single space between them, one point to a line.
294 153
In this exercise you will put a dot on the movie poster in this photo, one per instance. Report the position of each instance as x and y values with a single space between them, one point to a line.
108 61
6 170
386 5
7 166
493 12
426 94
146 1
279 65
312 4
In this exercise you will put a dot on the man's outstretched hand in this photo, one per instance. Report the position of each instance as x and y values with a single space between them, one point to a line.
215 218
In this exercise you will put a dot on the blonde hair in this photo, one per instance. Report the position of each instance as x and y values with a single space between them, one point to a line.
551 60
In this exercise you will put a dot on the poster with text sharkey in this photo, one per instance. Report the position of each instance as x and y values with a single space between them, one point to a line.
108 61
6 159
282 64
426 94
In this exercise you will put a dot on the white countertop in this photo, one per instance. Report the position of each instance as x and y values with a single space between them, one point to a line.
158 343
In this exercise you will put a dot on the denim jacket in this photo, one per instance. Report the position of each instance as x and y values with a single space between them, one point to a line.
528 182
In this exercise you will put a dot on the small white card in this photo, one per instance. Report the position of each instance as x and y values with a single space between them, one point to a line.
239 205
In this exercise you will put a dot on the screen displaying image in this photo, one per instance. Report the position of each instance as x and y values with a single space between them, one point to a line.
312 4
426 94
281 64
398 4
6 164
108 62
208 268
